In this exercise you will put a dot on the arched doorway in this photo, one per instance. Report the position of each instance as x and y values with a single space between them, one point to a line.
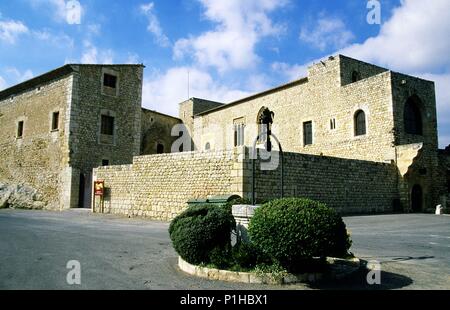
160 148
416 199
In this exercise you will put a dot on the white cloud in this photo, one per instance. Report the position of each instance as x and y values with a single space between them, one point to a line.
240 27
416 38
328 32
132 58
11 30
59 40
91 55
19 76
413 41
163 92
292 72
154 26
61 9
3 84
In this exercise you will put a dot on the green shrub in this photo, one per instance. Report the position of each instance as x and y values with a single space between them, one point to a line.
220 257
199 230
292 231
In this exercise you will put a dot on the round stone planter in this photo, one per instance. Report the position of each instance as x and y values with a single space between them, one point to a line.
340 268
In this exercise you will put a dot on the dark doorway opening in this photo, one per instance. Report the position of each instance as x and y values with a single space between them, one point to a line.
81 191
160 149
417 199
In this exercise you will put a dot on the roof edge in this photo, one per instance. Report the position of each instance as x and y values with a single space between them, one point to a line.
257 95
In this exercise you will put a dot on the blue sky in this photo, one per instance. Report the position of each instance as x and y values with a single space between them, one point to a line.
231 48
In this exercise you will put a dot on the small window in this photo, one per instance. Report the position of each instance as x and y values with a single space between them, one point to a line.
109 80
207 146
360 123
105 162
160 149
55 121
307 133
239 135
107 126
356 76
332 124
20 129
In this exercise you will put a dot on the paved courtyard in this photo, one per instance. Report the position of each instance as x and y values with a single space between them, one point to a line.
118 253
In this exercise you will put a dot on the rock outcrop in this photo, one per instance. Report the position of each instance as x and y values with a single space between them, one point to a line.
20 197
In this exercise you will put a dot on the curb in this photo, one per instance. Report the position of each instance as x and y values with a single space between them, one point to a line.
340 268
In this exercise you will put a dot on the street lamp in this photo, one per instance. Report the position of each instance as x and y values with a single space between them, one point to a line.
266 121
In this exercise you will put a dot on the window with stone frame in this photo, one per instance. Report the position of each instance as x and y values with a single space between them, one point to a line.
307 133
107 125
55 121
262 129
239 132
20 126
109 80
360 123
413 117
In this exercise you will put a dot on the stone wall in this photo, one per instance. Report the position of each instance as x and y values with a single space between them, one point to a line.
190 108
349 186
89 149
37 158
159 186
157 129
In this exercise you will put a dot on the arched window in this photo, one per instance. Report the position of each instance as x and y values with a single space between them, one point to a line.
262 130
356 76
360 123
413 117
207 146
160 148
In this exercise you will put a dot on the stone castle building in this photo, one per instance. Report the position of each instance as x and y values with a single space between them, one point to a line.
57 127
356 136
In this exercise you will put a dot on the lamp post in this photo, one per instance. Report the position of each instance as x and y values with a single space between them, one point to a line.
266 120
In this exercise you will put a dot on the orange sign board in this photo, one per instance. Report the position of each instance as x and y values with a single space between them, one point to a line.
99 188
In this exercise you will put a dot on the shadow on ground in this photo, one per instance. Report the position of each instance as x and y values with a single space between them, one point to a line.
358 281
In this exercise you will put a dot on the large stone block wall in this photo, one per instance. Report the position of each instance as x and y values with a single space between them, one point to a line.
39 157
349 186
159 186
118 195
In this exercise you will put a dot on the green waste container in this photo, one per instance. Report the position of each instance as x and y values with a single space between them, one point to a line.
215 200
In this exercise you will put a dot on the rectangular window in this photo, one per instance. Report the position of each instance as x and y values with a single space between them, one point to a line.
107 126
239 135
307 133
333 124
55 121
20 129
109 80
105 162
